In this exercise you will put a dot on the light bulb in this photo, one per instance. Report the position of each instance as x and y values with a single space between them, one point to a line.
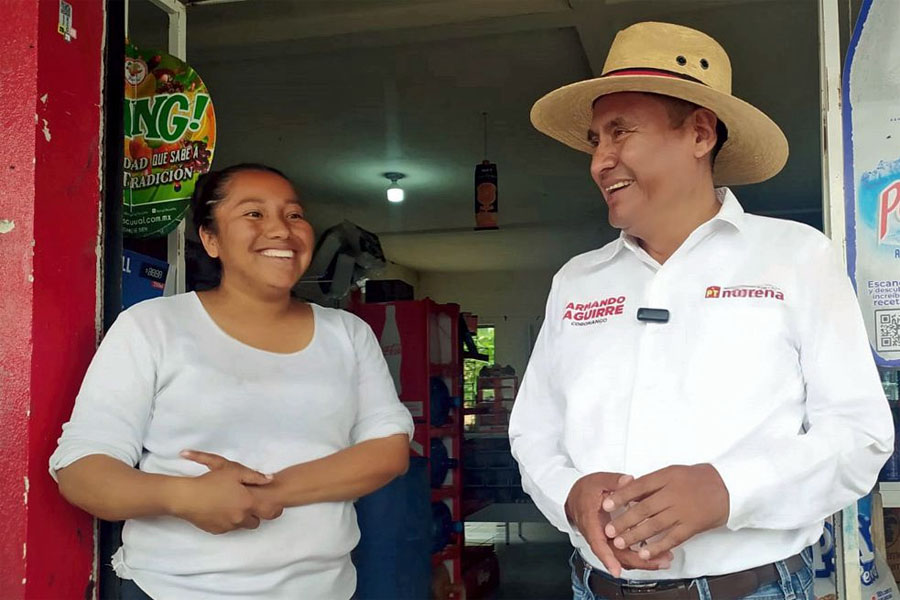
395 193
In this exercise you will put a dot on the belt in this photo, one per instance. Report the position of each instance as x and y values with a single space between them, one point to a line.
721 587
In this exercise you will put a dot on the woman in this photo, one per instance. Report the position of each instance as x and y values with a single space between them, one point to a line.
249 415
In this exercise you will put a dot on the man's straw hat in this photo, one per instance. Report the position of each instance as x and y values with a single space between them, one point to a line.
675 61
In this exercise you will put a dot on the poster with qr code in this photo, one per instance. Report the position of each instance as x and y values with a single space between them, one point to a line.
871 116
888 337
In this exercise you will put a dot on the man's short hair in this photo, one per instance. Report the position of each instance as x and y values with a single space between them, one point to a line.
679 110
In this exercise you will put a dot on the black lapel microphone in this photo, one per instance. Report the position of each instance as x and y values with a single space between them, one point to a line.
653 315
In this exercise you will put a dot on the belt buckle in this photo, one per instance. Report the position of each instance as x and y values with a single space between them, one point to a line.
641 589
638 589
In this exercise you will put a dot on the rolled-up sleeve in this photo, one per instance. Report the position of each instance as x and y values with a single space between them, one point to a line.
380 412
537 425
849 430
114 404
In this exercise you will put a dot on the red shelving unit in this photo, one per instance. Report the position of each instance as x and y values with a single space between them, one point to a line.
494 403
453 552
420 341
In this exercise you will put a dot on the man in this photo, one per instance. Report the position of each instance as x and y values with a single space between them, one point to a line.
702 393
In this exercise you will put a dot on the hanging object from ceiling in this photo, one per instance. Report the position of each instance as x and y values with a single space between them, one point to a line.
395 193
486 198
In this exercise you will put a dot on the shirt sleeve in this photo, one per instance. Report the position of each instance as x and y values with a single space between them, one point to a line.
795 482
113 406
536 428
380 413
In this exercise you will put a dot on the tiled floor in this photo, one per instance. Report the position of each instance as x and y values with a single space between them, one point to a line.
533 568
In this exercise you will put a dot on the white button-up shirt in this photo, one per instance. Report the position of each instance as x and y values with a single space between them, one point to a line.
763 370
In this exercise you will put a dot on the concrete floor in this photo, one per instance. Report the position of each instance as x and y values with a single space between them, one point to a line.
535 568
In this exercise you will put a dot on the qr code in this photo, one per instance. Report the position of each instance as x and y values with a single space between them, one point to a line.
888 324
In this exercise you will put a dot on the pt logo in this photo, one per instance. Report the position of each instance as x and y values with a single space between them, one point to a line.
713 291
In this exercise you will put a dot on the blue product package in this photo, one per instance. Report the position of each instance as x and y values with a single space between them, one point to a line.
143 277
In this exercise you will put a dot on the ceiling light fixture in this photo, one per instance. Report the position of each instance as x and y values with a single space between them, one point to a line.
395 193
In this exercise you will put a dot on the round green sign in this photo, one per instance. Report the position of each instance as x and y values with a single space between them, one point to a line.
170 136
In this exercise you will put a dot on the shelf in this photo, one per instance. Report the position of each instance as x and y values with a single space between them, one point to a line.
430 340
486 435
890 493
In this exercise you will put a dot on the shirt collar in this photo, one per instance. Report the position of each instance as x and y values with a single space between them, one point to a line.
731 212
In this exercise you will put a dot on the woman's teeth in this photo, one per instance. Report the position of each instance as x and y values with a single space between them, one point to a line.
278 253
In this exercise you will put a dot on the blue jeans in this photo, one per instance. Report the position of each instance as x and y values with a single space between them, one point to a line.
793 586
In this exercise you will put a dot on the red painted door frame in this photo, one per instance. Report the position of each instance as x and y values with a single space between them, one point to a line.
50 198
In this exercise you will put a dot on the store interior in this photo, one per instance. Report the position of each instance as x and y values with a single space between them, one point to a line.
338 94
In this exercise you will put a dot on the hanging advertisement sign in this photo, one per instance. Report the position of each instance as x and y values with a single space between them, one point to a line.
871 113
170 136
486 202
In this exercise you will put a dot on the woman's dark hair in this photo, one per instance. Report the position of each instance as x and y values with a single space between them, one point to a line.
211 189
205 272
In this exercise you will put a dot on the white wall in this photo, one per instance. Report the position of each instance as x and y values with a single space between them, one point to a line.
512 301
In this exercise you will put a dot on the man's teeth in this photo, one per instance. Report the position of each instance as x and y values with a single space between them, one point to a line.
619 186
278 253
